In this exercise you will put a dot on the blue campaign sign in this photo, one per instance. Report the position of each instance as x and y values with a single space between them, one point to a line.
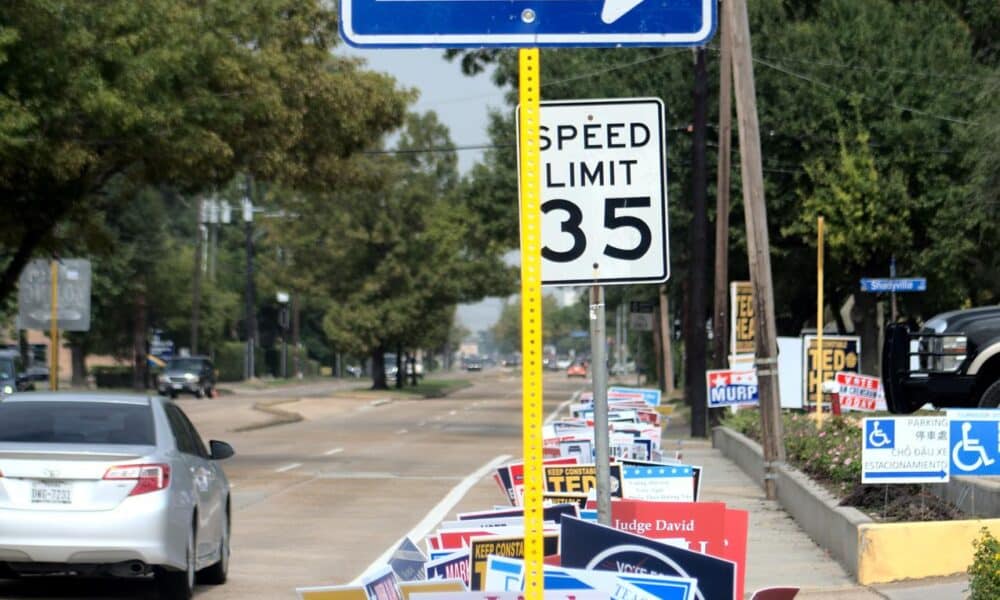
520 23
914 284
732 388
650 397
974 435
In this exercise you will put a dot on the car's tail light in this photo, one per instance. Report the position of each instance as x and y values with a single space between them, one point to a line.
148 478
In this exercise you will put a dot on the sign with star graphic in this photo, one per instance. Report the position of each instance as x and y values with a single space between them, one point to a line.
729 387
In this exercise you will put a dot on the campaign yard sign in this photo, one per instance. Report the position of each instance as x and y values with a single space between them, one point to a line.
743 327
731 387
480 549
579 479
585 545
382 585
860 392
453 566
841 353
650 397
669 483
407 562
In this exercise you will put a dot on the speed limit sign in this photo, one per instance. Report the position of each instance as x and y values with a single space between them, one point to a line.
604 192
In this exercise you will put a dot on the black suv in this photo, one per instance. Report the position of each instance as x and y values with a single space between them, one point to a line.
188 375
13 378
952 361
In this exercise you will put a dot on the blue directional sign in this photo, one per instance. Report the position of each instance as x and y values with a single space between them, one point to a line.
974 435
526 23
913 284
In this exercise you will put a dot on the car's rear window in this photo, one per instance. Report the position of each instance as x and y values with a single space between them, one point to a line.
76 423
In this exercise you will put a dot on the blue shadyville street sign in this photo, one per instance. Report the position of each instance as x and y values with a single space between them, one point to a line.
526 23
913 284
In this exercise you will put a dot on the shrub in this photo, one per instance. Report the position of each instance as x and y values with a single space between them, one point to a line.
984 572
112 376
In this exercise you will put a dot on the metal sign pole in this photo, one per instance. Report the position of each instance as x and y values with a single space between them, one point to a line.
598 362
54 326
529 145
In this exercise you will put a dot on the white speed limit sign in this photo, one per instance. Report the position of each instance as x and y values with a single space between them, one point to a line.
604 192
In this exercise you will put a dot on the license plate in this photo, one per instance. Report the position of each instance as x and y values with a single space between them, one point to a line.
178 386
50 494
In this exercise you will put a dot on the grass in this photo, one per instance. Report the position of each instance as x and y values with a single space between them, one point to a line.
427 388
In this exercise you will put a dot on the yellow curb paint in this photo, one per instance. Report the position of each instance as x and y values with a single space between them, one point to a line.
898 551
529 168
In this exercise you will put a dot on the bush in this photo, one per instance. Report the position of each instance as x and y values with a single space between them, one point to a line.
229 357
984 572
112 376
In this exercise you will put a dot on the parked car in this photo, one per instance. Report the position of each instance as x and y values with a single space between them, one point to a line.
952 361
187 375
13 377
111 485
473 363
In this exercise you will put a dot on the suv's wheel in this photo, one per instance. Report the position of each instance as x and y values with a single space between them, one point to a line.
217 573
178 585
991 397
199 392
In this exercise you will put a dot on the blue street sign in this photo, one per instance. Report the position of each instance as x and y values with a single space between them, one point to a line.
974 435
526 24
913 284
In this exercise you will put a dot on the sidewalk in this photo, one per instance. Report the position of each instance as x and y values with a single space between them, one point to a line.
778 551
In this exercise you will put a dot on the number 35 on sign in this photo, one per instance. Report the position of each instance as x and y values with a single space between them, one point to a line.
604 192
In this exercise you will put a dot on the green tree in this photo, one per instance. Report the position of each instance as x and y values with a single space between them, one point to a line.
178 92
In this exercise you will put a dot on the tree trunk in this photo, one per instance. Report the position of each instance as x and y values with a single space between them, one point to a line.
378 369
139 366
668 342
79 360
658 356
400 367
866 325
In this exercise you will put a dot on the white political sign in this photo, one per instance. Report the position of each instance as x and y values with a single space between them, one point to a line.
905 450
658 483
603 192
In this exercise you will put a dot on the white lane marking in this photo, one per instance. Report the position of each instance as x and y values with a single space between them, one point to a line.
399 431
559 409
333 451
288 467
452 413
437 514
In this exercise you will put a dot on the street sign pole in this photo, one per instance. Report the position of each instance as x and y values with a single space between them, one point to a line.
598 342
892 275
54 327
529 132
819 319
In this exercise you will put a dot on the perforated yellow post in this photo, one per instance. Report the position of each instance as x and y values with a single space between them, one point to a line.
531 318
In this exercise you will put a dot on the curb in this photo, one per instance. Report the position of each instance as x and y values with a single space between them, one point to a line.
871 552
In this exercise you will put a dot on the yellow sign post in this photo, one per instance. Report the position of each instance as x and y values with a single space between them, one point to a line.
529 159
819 317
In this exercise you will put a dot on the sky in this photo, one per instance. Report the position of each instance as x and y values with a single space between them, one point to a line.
462 103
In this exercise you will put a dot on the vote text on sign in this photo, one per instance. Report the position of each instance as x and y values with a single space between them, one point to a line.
604 194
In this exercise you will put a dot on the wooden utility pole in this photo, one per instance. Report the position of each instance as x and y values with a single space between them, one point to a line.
758 244
697 277
720 312
667 342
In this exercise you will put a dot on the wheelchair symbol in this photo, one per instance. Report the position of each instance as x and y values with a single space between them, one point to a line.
878 438
968 445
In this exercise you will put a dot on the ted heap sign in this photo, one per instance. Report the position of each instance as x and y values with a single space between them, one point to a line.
840 353
520 23
604 194
742 311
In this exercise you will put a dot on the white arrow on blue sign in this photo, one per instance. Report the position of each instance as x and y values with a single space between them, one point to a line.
526 23
904 450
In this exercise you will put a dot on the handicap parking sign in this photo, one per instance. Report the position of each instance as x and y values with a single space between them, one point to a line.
974 437
880 434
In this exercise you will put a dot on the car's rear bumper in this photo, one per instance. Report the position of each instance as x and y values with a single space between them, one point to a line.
136 530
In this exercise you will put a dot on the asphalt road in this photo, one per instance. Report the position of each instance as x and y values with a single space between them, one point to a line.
317 502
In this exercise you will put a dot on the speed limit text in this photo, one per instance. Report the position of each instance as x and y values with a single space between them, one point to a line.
591 137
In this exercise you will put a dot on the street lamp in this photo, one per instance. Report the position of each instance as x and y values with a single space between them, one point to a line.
283 298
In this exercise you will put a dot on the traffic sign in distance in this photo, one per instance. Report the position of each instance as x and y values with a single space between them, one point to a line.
915 284
604 192
524 24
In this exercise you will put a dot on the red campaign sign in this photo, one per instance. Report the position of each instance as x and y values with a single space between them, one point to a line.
700 524
860 392
457 539
706 527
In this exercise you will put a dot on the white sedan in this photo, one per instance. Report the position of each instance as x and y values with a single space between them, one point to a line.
111 485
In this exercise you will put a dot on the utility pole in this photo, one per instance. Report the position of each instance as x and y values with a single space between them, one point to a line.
720 312
758 243
196 285
599 373
697 277
251 302
667 340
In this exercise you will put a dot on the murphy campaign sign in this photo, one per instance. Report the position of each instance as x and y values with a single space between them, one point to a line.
728 387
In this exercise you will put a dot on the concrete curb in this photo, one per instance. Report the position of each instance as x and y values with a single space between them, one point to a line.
870 551
280 417
973 495
834 528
